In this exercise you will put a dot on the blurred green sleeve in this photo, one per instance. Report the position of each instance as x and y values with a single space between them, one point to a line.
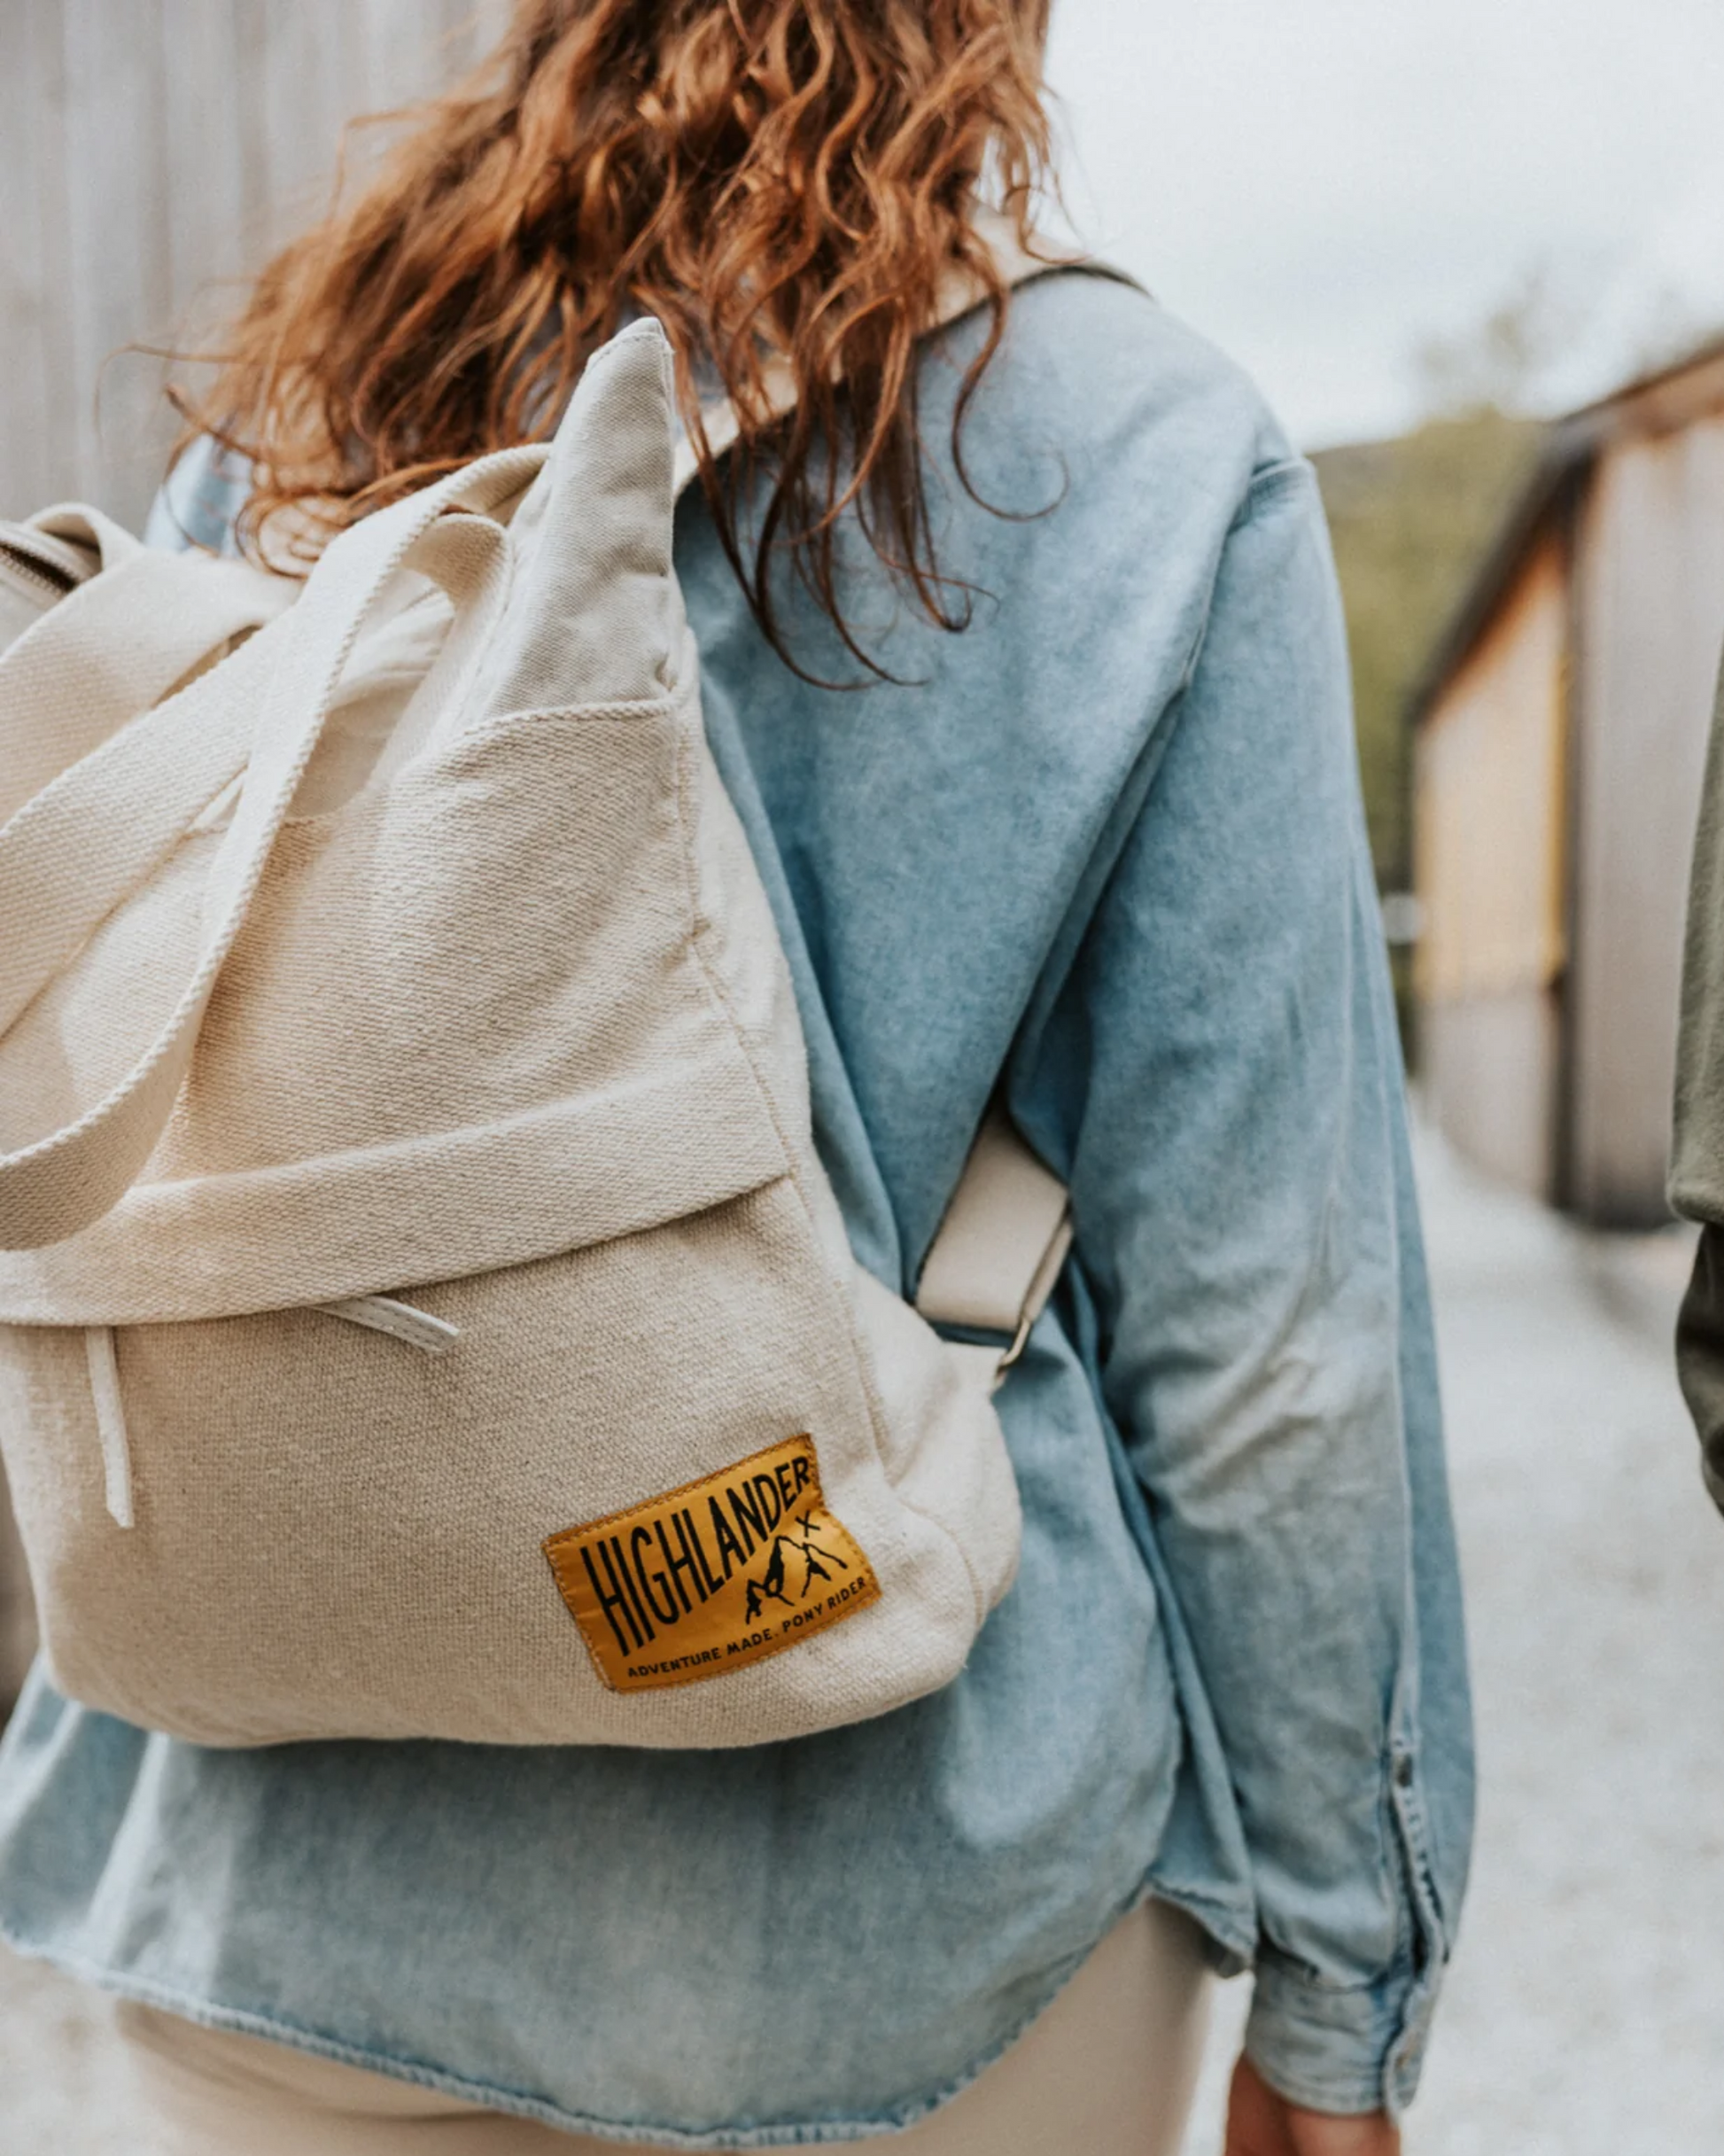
1700 1356
1696 1171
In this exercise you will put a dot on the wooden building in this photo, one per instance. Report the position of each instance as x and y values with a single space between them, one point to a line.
1560 735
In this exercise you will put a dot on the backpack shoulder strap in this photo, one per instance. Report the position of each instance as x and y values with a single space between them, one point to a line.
991 1267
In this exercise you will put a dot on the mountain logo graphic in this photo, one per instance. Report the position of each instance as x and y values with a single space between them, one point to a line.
771 1587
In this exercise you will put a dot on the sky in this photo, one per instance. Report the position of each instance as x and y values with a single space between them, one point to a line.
1324 186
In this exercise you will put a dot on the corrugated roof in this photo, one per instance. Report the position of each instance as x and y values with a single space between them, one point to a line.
1650 403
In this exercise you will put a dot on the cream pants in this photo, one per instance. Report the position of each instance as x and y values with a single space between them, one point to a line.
1108 2070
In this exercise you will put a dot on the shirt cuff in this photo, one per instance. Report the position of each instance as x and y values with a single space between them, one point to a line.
1332 2049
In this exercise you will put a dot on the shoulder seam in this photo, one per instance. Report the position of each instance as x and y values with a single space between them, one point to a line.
1285 475
1268 481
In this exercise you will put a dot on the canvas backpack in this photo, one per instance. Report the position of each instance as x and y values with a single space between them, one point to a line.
423 1311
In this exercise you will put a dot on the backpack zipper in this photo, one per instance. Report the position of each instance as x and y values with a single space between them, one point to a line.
39 566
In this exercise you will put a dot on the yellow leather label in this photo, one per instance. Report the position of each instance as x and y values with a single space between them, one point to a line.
718 1574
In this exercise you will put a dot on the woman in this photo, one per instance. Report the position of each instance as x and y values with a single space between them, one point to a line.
1022 661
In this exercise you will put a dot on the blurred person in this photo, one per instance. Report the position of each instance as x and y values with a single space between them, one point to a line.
1696 1171
1023 662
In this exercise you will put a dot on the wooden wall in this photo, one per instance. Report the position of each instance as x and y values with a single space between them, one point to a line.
1490 817
1563 760
151 150
1651 592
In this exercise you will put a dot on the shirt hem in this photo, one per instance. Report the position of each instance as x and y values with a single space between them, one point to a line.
208 2013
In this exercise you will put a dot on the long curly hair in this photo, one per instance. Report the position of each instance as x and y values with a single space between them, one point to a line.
784 183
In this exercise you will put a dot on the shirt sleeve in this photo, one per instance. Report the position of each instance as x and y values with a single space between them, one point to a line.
1696 1171
1700 1356
198 503
1247 1233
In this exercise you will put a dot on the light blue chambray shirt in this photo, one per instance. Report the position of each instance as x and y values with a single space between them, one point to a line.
1109 837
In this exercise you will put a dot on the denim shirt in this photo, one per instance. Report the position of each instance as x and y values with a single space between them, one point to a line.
1109 840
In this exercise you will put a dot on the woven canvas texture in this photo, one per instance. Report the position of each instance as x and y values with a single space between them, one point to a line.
414 948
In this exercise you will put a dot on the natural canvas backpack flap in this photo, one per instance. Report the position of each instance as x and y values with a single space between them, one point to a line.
594 618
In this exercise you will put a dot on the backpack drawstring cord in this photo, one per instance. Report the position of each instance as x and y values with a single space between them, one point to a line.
110 1423
414 1328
